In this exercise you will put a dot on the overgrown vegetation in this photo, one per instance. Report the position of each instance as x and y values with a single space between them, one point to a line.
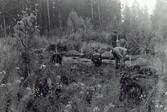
29 82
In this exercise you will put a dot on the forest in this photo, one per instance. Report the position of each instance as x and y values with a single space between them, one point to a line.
46 50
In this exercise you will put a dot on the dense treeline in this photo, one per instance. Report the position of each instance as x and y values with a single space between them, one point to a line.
104 14
84 19
54 13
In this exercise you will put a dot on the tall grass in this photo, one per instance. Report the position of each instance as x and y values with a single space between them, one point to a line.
9 57
103 81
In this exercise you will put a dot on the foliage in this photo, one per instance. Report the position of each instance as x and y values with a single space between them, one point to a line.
89 48
9 59
25 30
66 45
101 14
137 27
74 86
77 25
74 22
159 25
26 27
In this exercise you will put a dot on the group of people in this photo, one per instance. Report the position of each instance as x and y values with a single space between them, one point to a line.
118 51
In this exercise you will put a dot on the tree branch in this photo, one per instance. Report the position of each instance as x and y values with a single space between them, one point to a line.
24 45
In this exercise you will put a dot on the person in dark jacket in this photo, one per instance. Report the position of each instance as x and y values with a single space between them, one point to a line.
97 59
56 58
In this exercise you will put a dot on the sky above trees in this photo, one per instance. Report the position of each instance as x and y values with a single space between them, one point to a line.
149 4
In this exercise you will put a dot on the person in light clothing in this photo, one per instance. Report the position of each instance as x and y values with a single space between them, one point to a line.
119 53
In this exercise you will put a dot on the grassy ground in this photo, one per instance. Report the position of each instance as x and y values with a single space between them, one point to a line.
89 88
103 81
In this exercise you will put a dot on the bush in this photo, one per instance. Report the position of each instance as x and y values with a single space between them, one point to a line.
102 37
74 36
66 45
40 42
88 48
140 43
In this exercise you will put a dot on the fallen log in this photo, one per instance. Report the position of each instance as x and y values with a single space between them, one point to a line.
86 56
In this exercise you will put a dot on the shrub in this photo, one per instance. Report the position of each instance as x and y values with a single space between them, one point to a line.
88 48
40 42
25 30
66 45
96 36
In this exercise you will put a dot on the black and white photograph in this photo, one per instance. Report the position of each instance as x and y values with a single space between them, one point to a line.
83 55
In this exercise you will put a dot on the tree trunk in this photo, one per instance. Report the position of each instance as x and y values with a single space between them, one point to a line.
92 8
60 22
48 16
4 23
99 14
